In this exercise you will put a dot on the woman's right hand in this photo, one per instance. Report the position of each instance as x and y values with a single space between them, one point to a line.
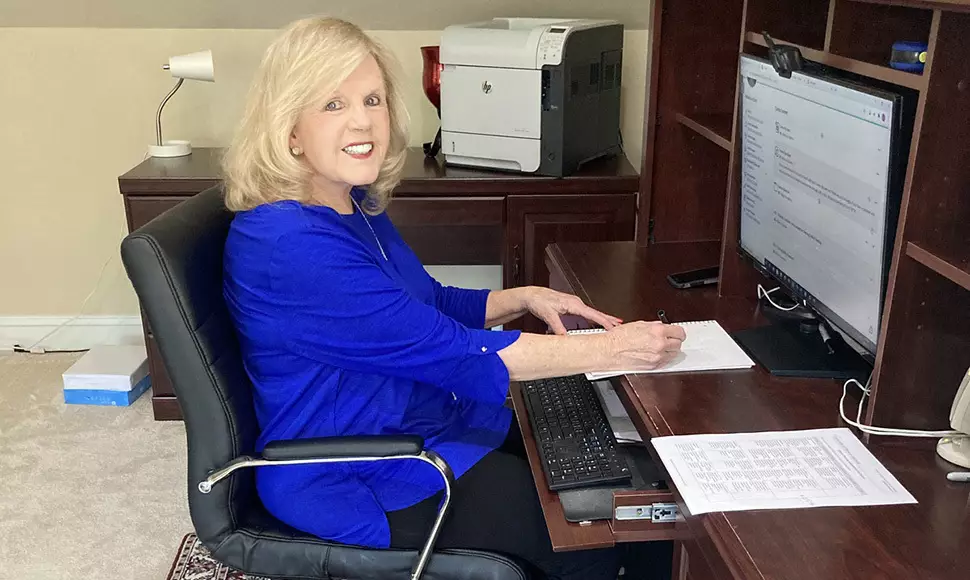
644 346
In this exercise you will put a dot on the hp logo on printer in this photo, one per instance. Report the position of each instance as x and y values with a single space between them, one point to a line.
486 88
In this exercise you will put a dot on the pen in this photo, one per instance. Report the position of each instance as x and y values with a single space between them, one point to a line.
959 476
662 316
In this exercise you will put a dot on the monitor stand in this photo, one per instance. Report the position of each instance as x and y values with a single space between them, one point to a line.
794 348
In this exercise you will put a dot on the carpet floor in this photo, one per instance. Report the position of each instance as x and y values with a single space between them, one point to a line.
85 492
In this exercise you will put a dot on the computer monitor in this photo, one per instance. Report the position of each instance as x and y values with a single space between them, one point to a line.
822 166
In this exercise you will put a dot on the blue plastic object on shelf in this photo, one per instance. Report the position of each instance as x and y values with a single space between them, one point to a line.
909 56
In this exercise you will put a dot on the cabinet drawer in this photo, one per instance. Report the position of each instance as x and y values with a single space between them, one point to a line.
451 230
142 210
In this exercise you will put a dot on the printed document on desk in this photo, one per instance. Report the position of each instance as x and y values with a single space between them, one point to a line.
708 347
774 470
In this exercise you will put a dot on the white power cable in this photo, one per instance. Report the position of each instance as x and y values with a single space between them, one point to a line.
80 311
84 304
762 293
882 430
872 430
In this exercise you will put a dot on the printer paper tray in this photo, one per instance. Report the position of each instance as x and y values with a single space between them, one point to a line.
491 151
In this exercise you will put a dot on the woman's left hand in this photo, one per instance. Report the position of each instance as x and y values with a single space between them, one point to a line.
548 305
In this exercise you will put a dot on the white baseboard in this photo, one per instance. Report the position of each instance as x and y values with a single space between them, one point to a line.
68 333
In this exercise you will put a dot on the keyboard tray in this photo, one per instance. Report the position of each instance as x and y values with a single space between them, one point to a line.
589 534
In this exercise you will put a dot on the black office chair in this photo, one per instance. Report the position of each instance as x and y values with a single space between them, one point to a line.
175 265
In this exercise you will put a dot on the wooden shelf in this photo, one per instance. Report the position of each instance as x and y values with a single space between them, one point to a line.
716 128
950 269
883 73
952 5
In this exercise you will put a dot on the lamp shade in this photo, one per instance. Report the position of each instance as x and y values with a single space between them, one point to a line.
195 66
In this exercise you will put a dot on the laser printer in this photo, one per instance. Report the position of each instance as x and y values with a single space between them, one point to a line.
531 95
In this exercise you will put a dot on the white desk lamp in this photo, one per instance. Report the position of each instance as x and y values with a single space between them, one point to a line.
196 66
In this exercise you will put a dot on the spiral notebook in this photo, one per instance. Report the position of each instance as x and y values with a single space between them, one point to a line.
708 348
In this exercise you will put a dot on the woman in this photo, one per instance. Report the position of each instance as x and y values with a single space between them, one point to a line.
344 333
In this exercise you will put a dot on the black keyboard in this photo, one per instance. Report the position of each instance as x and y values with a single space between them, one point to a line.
575 441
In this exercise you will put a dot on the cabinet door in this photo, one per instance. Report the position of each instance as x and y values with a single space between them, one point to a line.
451 230
690 564
534 222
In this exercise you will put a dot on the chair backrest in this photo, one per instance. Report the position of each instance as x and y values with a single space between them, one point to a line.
175 265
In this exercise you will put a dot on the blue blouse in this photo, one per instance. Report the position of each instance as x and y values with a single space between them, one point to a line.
339 341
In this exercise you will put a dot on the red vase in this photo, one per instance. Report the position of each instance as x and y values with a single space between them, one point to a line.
431 79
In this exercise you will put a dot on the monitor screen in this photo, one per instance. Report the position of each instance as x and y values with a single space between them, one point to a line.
815 191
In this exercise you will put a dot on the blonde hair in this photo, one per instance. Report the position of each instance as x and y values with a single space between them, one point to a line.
302 67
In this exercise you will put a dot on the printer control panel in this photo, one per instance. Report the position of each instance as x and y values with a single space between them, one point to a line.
551 45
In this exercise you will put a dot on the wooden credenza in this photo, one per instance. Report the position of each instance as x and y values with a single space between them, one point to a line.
448 215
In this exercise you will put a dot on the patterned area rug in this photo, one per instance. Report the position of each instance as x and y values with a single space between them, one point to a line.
194 562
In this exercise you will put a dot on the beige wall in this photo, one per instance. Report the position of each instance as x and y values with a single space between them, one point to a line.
77 109
266 14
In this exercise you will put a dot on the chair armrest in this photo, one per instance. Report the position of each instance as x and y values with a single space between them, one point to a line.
361 448
364 448
358 446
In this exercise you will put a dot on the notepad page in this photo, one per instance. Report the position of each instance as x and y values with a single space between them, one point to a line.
708 347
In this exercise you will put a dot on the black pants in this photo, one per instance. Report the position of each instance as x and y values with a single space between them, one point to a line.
495 508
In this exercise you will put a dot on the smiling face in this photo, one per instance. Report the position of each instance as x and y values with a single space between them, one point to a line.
345 139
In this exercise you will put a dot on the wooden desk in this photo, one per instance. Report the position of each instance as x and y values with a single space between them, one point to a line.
929 540
447 215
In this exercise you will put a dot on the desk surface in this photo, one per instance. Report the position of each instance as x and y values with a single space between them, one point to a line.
421 176
928 540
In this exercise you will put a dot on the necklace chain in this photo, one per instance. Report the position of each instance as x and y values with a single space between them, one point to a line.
367 221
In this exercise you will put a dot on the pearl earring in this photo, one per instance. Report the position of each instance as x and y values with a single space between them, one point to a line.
296 151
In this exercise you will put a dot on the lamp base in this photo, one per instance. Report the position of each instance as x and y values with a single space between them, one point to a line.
956 450
170 149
